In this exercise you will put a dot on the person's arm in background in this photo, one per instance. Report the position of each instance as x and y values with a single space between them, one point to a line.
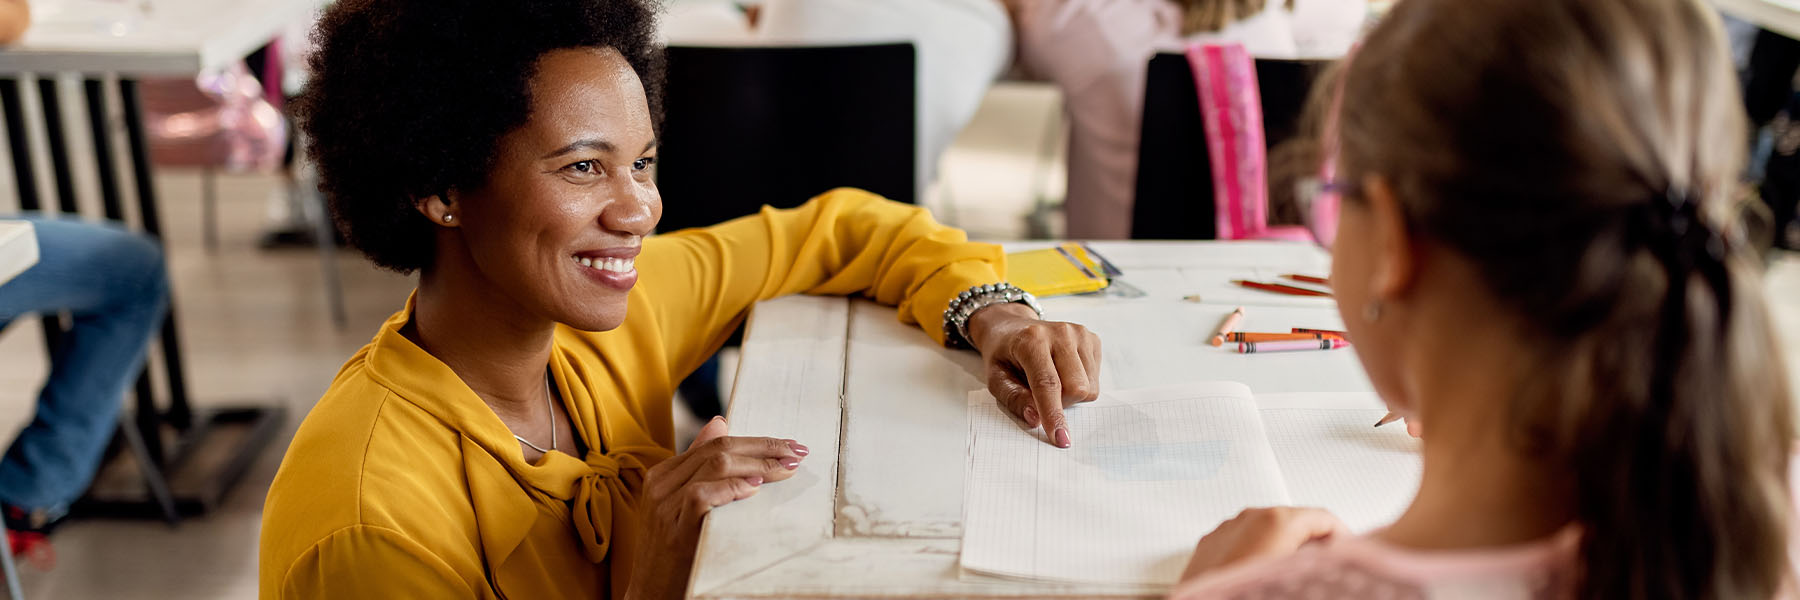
15 16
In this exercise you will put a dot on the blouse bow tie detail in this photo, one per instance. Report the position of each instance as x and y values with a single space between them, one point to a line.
604 500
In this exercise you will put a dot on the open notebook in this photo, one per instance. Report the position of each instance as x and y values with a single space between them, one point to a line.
1152 470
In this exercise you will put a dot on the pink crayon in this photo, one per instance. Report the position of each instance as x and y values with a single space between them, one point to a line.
1291 345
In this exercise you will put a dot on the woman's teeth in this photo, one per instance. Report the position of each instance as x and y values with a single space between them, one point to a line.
616 265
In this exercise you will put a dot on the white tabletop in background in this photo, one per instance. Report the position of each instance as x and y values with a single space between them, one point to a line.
171 38
876 510
1780 16
18 249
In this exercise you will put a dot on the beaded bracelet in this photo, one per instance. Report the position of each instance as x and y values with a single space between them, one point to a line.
956 316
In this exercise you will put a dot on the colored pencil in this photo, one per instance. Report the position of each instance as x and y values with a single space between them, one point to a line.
1308 279
1279 288
1225 327
1290 346
1341 334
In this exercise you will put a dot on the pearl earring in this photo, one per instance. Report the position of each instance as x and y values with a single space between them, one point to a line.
448 218
1372 311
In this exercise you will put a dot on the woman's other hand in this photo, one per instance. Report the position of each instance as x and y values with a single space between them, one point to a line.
1036 368
1259 533
714 471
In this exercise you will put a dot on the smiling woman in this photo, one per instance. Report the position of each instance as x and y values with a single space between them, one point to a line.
507 433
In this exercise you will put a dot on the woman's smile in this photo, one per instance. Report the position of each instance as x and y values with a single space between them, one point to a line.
612 267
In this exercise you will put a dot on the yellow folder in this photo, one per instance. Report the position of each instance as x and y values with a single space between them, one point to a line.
1068 268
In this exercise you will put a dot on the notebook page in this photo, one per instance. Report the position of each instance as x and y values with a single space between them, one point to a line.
1332 456
1150 472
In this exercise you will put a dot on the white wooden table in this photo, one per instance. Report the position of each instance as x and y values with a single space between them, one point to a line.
1780 16
170 37
876 510
18 249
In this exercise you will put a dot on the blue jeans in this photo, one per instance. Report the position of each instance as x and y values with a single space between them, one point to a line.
113 283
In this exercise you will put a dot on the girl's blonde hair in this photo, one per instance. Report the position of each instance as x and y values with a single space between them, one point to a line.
1583 155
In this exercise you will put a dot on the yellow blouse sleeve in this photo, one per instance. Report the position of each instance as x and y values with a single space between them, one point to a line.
340 567
700 282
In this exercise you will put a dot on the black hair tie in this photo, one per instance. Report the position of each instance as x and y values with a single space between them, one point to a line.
1671 227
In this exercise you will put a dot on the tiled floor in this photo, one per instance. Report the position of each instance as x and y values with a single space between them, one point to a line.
256 329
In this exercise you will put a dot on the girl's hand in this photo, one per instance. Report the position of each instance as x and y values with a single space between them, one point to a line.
1262 532
1035 368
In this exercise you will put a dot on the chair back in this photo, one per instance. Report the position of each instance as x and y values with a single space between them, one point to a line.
777 125
1175 195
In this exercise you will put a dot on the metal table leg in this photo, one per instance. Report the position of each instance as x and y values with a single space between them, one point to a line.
9 570
149 465
198 492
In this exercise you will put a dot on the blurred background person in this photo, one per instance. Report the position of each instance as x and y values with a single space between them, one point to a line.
113 286
1097 53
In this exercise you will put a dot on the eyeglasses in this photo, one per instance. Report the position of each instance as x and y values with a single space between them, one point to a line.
1319 199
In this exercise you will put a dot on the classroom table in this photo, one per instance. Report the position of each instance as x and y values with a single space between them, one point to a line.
110 45
876 508
1780 16
18 249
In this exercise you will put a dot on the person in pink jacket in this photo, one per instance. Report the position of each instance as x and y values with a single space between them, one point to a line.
1098 51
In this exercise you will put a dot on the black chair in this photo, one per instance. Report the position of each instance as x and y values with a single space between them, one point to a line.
1174 198
748 126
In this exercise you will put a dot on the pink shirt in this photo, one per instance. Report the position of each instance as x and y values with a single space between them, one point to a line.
1367 568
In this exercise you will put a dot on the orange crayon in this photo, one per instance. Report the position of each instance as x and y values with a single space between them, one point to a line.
1246 336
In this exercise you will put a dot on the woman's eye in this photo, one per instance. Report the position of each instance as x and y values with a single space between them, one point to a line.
644 163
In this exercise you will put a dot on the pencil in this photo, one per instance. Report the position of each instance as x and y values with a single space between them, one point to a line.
1246 336
1225 327
1279 288
1291 345
1342 334
1391 417
1308 279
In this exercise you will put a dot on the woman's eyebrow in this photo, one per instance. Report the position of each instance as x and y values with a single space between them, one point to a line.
583 144
595 144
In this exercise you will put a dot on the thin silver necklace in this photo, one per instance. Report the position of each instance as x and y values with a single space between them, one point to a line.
552 421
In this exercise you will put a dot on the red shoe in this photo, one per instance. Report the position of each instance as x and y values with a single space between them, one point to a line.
31 547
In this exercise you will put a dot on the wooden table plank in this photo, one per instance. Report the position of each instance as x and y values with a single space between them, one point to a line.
789 385
903 568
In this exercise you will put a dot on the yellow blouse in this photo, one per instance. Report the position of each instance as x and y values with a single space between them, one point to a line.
402 483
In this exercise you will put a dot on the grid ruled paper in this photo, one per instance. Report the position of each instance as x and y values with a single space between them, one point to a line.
1331 455
1150 472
